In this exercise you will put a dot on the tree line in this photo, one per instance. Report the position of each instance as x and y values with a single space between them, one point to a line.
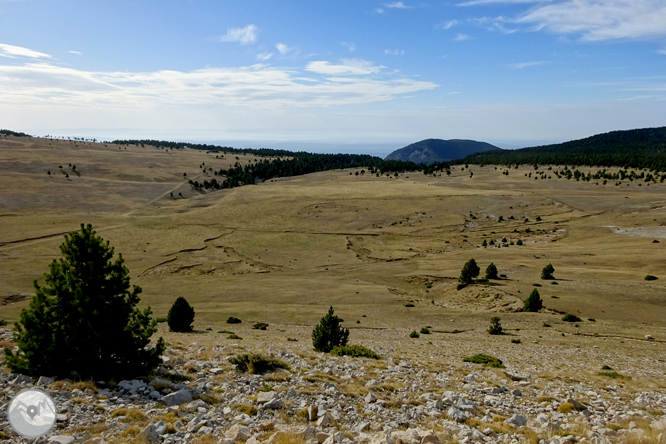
639 148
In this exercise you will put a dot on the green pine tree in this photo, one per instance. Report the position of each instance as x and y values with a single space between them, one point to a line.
491 272
83 322
533 303
329 334
469 271
181 316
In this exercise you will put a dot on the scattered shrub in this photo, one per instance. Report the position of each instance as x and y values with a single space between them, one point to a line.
409 305
257 364
520 242
181 316
547 272
486 360
355 351
568 317
495 326
425 331
515 341
260 326
546 324
3 322
329 334
650 277
292 340
534 302
613 375
414 334
234 336
233 320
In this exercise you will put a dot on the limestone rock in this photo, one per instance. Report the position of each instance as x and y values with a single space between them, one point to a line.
177 398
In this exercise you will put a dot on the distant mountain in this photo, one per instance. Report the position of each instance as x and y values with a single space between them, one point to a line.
430 151
637 148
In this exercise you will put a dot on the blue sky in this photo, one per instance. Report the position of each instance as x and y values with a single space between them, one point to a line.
343 72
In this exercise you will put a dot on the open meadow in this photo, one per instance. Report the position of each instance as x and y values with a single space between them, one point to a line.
282 251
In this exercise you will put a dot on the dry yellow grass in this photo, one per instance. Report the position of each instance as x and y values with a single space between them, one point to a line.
281 252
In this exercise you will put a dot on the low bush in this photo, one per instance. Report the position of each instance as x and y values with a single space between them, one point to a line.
234 336
414 334
354 351
257 364
425 331
495 326
233 320
515 341
3 322
613 375
568 317
486 360
650 277
409 305
260 326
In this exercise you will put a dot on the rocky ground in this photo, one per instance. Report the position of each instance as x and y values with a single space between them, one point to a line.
198 397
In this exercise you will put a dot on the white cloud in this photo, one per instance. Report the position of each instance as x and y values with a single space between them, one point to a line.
250 87
662 51
262 57
461 37
347 67
394 52
283 49
244 36
351 46
601 19
378 10
18 51
524 65
397 5
447 25
75 52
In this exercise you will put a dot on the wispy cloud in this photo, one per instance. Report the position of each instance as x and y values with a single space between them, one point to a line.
486 2
283 49
397 5
18 51
320 83
347 67
524 65
75 52
496 24
601 19
351 46
262 57
244 36
394 52
662 52
461 37
446 25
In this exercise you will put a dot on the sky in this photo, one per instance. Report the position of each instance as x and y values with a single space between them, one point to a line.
335 75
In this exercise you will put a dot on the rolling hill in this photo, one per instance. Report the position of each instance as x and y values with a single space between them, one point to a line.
636 148
431 151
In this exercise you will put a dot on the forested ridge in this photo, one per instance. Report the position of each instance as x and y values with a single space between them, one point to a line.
305 163
638 148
